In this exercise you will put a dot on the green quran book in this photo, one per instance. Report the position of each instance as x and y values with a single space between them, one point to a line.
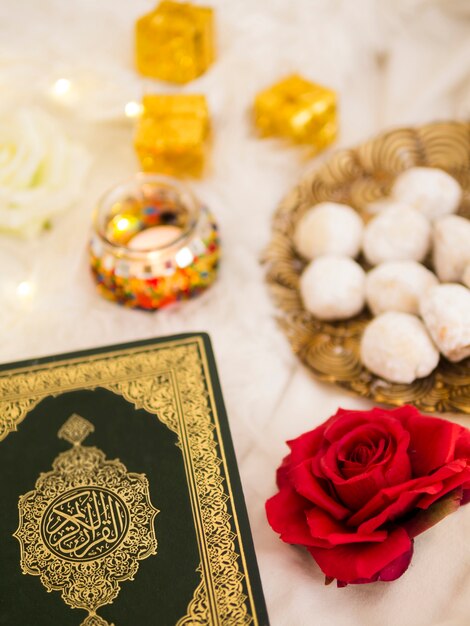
121 502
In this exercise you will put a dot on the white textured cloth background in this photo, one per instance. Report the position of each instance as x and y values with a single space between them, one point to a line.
392 63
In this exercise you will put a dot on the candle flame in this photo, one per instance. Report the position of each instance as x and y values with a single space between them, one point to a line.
123 224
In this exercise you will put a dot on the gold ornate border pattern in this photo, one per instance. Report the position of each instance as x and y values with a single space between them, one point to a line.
170 380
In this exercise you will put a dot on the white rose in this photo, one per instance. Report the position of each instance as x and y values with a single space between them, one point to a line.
41 171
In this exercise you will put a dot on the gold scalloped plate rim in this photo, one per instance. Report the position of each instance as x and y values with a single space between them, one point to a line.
358 176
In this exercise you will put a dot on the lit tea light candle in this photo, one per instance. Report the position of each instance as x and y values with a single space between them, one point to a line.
155 237
153 244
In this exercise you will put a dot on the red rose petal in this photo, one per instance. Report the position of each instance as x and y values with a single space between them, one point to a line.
356 488
433 440
356 491
396 568
282 474
457 480
395 502
345 421
390 572
404 503
423 520
465 494
425 484
307 445
462 446
365 454
308 486
286 515
350 563
333 533
328 463
399 469
368 435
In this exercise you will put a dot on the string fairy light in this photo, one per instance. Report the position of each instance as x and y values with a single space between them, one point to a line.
25 290
61 87
133 109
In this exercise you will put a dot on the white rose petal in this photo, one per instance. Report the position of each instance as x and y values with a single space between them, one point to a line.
41 171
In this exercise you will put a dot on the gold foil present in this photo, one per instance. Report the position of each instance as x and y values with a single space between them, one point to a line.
172 134
299 110
175 42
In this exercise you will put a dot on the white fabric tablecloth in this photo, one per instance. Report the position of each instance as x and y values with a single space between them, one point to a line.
392 63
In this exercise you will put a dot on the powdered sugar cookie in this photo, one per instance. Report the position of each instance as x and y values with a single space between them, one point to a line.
396 234
397 347
451 252
332 288
466 276
329 228
446 312
398 286
430 190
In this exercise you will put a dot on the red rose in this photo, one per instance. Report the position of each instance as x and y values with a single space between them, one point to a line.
356 490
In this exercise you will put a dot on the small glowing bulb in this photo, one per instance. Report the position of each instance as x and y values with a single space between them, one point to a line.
123 224
25 289
61 87
133 109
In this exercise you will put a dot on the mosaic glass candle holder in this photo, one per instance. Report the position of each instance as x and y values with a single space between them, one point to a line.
153 243
172 134
175 42
299 110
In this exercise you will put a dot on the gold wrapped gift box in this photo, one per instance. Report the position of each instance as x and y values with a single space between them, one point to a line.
175 42
172 134
299 110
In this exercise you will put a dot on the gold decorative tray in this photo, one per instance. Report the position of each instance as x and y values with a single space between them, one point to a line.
357 177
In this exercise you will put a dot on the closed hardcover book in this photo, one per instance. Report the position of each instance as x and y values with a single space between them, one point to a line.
121 502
